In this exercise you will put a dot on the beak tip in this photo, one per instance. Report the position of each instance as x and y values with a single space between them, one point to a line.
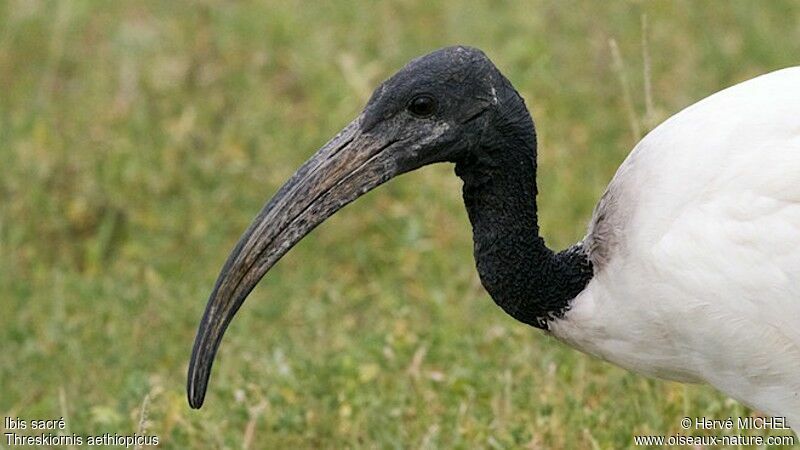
197 380
194 395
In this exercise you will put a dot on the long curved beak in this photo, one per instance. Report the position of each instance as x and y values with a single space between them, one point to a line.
348 166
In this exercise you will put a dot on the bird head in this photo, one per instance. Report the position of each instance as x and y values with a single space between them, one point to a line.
435 109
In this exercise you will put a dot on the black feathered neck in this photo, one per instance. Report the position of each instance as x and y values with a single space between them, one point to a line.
528 280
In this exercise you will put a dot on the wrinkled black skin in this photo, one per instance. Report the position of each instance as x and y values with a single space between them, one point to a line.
492 141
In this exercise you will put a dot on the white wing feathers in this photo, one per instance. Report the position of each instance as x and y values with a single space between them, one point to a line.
698 245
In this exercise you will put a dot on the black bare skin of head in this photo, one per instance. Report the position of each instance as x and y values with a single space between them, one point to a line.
452 105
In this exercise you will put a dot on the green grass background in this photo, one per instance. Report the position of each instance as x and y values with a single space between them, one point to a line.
138 140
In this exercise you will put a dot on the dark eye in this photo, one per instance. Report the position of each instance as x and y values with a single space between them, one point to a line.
422 105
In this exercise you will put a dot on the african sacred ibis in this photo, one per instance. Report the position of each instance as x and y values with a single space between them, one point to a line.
690 269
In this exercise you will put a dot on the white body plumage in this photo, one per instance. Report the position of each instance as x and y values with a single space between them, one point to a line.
696 248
